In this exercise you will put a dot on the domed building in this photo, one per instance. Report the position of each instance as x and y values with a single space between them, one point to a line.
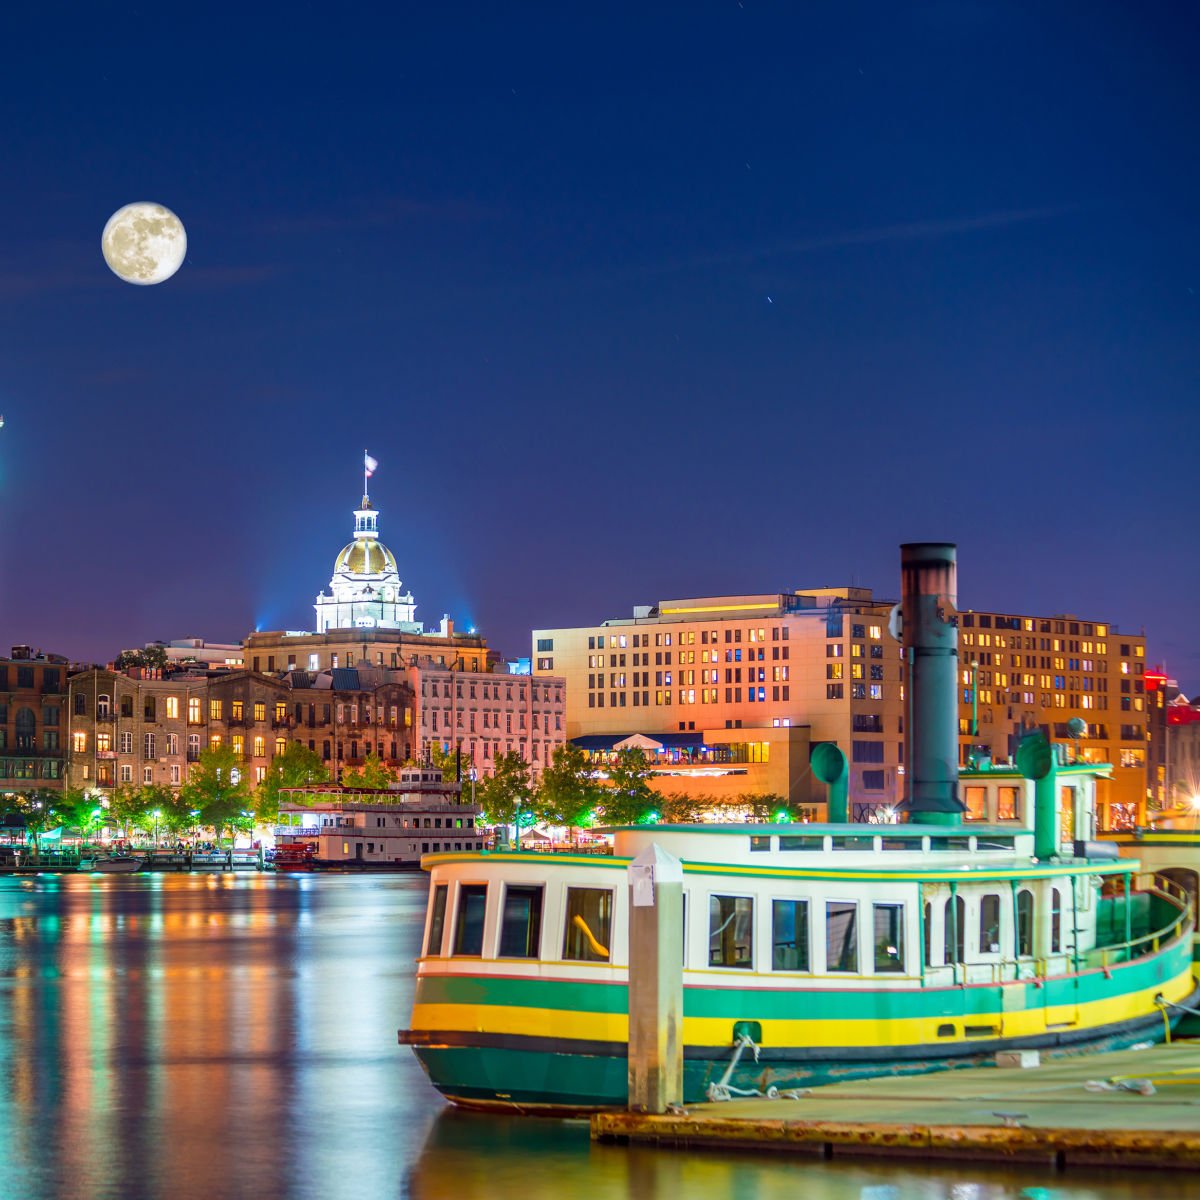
365 591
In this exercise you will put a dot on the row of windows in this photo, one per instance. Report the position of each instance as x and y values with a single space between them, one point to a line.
836 670
858 691
587 929
684 637
685 696
969 620
24 679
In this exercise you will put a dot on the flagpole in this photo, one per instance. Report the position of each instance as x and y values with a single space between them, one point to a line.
365 475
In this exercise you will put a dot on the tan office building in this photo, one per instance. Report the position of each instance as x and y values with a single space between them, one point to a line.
726 677
709 677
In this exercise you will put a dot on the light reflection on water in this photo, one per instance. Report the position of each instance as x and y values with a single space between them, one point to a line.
211 1036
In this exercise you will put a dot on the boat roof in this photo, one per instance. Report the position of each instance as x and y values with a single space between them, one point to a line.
819 829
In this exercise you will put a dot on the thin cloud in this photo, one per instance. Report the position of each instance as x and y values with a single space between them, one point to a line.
909 231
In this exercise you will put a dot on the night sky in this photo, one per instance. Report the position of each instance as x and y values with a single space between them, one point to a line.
630 301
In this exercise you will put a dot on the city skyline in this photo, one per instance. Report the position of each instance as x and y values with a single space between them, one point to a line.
626 307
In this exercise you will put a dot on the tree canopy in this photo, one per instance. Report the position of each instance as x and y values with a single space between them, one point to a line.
297 766
218 790
509 787
374 773
629 797
568 793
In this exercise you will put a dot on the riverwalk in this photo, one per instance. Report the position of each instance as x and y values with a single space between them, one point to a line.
1129 1108
148 860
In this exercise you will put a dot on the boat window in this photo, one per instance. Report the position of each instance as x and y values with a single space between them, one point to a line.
994 843
950 843
437 920
1008 804
760 843
928 934
892 843
989 924
589 924
1024 922
521 922
468 932
976 801
731 932
841 936
853 843
954 928
801 843
1055 920
889 937
789 935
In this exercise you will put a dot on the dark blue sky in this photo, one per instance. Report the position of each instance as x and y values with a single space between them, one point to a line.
630 302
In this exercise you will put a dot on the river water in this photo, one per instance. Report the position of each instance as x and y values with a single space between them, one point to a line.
177 1036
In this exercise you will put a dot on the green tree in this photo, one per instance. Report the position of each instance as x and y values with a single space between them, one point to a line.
76 809
297 766
374 773
447 762
217 787
40 810
173 813
155 657
126 809
568 792
629 798
507 788
764 806
679 808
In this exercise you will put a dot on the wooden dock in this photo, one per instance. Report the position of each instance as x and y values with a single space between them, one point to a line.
1046 1114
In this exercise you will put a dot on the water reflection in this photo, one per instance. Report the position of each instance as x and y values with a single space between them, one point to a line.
472 1157
227 1036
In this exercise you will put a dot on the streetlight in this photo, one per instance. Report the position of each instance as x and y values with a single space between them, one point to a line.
157 814
473 775
195 825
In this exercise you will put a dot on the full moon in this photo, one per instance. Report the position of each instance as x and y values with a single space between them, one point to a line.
144 243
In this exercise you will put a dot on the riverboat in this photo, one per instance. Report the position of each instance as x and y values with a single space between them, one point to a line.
814 952
375 829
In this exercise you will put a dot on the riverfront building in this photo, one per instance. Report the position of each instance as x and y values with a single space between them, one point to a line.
33 690
712 686
131 729
486 714
1173 745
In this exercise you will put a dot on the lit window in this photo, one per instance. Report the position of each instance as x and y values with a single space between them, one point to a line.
214 710
79 741
193 710
173 708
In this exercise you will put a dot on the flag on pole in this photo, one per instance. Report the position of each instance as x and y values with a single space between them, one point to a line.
369 464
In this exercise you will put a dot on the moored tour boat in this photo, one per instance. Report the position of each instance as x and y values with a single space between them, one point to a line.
813 952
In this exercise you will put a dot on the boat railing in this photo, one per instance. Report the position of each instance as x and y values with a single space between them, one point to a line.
1166 889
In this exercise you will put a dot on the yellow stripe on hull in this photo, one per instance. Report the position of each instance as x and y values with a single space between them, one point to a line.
881 1031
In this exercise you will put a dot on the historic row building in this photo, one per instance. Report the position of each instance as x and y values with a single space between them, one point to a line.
33 694
126 729
728 693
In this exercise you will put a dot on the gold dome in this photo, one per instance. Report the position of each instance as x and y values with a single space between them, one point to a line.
365 556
